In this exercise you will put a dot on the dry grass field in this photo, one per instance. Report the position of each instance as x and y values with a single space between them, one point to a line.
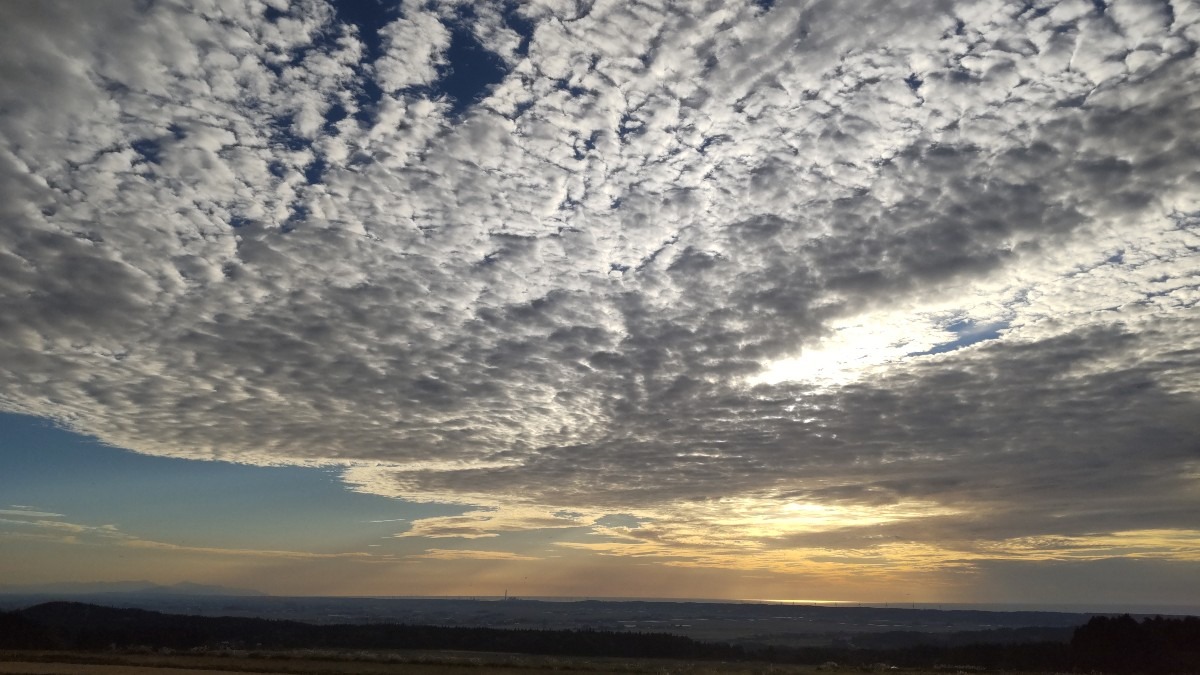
391 663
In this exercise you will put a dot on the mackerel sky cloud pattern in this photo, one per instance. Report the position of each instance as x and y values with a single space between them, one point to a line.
906 282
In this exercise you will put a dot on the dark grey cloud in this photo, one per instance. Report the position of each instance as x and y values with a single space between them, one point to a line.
567 294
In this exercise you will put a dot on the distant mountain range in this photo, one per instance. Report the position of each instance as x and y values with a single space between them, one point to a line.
80 626
78 588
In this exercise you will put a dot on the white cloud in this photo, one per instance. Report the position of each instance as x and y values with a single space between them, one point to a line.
463 554
28 513
414 47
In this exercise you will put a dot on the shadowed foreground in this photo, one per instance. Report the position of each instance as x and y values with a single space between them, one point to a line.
79 633
410 663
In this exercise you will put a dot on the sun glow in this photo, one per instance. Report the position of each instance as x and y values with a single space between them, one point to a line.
855 349
767 518
846 355
799 601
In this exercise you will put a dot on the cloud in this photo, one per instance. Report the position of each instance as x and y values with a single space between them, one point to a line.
28 512
265 237
489 523
255 553
462 554
61 532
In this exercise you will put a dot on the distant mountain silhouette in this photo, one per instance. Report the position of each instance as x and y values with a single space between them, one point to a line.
81 588
74 625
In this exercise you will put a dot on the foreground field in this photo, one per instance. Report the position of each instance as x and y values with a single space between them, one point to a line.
387 663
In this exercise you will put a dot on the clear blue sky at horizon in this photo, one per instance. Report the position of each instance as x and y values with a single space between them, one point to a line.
195 503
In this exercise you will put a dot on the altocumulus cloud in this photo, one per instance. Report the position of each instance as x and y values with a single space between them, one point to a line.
912 279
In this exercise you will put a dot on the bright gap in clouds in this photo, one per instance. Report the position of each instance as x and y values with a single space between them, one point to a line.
770 520
870 343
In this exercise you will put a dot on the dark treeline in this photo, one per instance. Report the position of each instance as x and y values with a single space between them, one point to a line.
1104 644
1121 644
900 639
1038 656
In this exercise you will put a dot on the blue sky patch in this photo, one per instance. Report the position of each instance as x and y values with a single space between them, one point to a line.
968 333
471 72
189 502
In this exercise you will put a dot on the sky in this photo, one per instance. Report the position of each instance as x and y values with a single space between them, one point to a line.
859 301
